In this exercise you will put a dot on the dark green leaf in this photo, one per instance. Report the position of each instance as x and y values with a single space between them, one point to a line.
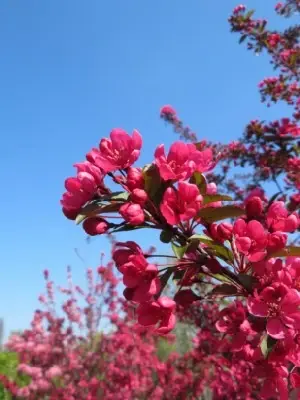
242 38
179 251
224 289
213 214
93 209
247 281
214 248
286 252
164 278
221 251
210 198
166 236
152 179
128 228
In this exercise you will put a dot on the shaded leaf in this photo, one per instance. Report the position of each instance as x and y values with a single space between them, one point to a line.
224 289
286 252
166 236
247 281
242 38
164 278
222 252
201 238
214 248
213 214
94 209
199 180
152 179
128 228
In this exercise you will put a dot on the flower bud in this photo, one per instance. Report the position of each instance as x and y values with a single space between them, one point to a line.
95 226
139 196
254 207
224 231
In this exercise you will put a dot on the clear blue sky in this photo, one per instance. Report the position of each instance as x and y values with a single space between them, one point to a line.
70 71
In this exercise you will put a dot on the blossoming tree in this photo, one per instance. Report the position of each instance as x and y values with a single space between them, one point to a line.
225 242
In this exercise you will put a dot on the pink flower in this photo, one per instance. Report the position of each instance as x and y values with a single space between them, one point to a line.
279 219
280 305
147 284
95 226
54 372
158 313
182 204
250 239
118 152
139 196
132 213
232 320
257 192
276 241
126 252
74 200
140 278
254 207
135 178
178 165
167 112
92 170
204 160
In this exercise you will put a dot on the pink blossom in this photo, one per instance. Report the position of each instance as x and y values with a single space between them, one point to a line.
279 219
54 372
132 213
250 239
118 152
182 204
92 170
289 128
167 111
232 320
280 305
276 241
139 196
254 207
178 164
204 161
135 178
158 313
126 252
95 226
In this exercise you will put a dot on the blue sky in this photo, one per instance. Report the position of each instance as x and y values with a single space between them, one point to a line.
70 71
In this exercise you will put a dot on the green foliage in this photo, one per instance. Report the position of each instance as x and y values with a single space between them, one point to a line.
8 367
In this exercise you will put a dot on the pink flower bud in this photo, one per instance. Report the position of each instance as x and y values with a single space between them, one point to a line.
135 178
225 230
139 196
132 213
254 207
95 226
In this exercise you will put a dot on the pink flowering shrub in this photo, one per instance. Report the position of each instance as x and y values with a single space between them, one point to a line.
233 260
